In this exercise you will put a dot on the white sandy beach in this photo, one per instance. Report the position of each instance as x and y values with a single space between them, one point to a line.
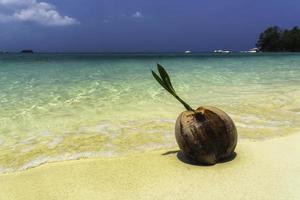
268 169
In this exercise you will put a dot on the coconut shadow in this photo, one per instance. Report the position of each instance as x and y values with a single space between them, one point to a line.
180 155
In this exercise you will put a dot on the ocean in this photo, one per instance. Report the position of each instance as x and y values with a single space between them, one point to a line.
57 107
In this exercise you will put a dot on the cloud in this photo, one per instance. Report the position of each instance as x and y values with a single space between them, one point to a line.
16 2
137 14
33 11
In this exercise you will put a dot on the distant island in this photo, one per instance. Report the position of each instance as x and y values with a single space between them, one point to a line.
275 39
27 51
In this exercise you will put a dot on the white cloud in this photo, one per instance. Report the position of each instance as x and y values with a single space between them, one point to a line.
16 2
137 14
33 11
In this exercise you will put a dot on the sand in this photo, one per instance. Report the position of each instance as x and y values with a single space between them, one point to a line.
268 169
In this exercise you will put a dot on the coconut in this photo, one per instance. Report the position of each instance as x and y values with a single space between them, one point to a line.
205 135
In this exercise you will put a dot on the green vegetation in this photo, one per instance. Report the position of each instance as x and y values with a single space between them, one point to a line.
165 81
275 39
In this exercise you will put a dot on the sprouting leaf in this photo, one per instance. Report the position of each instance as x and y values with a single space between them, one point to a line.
165 77
165 81
160 81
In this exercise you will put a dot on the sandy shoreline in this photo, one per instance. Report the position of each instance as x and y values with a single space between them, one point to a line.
267 169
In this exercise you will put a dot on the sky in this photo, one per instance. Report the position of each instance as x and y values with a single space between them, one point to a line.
140 25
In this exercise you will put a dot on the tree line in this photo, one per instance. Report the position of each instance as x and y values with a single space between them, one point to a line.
275 39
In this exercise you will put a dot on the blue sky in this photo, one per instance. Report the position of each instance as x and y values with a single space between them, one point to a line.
139 25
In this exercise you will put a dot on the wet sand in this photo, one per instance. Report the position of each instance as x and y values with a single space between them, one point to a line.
268 169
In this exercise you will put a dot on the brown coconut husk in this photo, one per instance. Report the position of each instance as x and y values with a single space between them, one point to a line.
206 135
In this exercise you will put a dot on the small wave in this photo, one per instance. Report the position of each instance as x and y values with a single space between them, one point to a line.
55 142
46 159
42 159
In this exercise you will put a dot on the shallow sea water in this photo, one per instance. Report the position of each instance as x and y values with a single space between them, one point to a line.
68 106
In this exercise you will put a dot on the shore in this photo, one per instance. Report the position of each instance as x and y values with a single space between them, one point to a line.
268 169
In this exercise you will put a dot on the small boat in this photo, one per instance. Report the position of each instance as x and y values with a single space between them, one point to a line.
253 50
221 51
186 52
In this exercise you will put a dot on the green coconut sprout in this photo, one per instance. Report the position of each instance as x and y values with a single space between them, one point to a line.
165 81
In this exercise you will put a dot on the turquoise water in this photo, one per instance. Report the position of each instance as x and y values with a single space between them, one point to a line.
61 107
